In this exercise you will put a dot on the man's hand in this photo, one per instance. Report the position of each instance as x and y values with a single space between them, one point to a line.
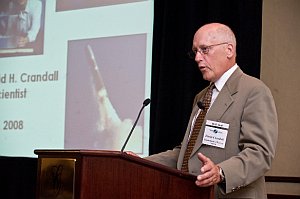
210 172
131 153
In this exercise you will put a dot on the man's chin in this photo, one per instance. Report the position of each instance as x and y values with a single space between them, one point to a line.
206 76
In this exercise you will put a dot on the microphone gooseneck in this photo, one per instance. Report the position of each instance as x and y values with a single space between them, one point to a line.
145 103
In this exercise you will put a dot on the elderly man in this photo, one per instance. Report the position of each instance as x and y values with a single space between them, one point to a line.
233 144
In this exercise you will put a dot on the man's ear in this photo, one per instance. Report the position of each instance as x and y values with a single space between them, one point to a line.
230 51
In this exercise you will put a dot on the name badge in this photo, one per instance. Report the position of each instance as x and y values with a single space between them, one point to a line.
215 133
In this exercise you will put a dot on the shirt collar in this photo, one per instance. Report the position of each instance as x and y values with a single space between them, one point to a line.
222 80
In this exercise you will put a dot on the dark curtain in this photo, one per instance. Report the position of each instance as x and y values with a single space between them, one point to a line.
18 177
175 78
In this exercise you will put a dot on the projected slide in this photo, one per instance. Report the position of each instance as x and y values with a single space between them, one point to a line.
79 79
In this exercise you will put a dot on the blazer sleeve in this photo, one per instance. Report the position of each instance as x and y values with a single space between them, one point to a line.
168 158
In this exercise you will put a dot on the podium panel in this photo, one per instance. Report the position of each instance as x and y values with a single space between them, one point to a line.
87 174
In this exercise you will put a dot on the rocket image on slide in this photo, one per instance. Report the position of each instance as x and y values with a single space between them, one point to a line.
109 122
108 115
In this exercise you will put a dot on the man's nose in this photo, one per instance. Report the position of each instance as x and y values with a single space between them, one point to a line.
198 56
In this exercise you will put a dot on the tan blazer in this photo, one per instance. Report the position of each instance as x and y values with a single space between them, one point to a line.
247 105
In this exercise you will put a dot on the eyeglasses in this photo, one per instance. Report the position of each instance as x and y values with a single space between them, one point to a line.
203 50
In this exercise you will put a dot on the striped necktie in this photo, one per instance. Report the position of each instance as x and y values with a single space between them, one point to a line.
197 126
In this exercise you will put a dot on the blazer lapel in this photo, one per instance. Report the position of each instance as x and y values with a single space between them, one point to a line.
221 104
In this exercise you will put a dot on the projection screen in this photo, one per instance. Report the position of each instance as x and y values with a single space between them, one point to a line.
74 74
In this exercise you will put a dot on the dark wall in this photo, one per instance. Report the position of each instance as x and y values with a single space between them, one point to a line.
18 177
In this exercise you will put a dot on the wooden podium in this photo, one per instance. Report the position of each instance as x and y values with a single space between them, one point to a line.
89 174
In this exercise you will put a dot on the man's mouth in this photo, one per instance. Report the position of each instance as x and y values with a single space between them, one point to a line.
202 67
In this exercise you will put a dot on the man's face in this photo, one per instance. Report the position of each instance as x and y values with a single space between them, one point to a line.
211 54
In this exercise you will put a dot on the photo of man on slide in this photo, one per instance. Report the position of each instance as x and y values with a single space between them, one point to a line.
20 26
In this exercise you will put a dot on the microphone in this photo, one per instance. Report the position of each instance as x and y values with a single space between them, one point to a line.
145 103
200 105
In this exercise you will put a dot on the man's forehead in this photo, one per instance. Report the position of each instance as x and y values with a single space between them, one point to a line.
205 38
